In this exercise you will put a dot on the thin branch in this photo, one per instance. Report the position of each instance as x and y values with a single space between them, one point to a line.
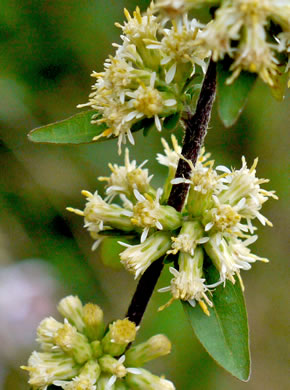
195 130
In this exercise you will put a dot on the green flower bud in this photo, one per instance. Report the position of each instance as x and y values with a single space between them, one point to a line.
97 348
46 367
99 212
91 371
147 381
153 348
93 318
137 258
112 366
104 382
120 334
46 331
73 343
71 308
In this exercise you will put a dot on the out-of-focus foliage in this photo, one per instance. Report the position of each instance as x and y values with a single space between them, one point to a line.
48 50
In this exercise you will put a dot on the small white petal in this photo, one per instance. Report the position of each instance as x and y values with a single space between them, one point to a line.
208 226
157 122
202 240
130 116
170 74
122 359
130 137
144 235
159 225
164 289
170 102
165 60
192 302
96 244
173 271
138 196
222 168
124 244
127 213
133 370
250 240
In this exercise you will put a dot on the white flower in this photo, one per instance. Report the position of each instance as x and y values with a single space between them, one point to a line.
46 367
246 22
137 258
149 213
191 234
171 157
188 283
178 46
225 218
230 255
243 184
124 179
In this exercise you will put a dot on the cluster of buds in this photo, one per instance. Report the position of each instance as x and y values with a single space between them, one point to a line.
147 78
216 220
242 30
80 354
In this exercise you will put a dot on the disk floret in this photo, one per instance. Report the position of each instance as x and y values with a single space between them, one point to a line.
93 357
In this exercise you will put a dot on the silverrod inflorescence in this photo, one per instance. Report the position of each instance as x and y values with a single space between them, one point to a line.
82 354
150 76
216 220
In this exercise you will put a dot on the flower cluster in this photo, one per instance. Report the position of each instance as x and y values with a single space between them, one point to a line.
146 79
80 354
216 220
242 30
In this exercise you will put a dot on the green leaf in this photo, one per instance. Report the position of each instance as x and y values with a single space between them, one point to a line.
110 250
232 98
171 121
74 130
224 334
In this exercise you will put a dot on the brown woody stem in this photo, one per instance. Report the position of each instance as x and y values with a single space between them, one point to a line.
195 131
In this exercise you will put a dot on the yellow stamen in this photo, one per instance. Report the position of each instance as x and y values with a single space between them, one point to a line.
204 308
87 194
161 308
75 211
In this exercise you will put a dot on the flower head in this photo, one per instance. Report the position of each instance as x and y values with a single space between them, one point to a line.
79 362
137 258
217 217
127 178
145 78
240 29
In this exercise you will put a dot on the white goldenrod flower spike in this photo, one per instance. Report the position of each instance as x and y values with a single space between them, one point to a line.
145 78
188 283
76 362
125 179
246 22
217 217
243 184
137 258
149 213
230 255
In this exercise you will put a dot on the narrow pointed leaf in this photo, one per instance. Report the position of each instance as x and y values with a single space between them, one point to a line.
232 98
74 130
224 334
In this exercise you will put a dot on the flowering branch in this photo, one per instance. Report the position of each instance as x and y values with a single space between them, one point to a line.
195 130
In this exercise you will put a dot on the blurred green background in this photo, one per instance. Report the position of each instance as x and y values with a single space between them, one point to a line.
47 52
